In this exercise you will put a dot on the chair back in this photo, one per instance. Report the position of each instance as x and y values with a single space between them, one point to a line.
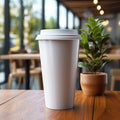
36 62
14 64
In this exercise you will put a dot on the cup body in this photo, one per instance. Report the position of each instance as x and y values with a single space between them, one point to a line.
59 69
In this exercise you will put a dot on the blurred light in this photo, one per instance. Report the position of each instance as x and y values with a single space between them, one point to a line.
95 2
109 29
105 23
119 22
98 7
101 12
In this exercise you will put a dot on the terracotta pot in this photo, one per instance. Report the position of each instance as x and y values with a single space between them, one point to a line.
93 83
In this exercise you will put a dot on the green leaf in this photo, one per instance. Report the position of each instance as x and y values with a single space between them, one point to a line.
92 22
96 32
84 41
105 38
88 26
105 63
81 64
83 31
84 37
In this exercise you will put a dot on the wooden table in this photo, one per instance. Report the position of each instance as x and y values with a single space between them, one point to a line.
37 56
20 56
30 105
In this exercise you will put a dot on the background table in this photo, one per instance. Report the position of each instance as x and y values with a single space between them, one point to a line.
27 58
109 56
30 105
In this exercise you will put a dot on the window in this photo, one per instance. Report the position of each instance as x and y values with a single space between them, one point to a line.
32 23
1 38
62 19
50 13
76 22
14 24
1 25
70 20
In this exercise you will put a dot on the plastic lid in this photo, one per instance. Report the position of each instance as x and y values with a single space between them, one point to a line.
58 34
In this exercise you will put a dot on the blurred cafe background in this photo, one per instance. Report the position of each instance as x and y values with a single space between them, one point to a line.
22 20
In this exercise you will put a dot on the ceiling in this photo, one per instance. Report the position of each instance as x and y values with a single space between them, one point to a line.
79 7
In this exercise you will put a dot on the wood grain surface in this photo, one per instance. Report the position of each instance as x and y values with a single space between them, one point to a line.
30 105
107 107
37 56
20 56
9 96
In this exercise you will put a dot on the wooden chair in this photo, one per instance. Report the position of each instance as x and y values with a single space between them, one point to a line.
115 76
18 71
36 64
114 72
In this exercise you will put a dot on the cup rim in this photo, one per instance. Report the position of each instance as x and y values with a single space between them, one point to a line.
58 34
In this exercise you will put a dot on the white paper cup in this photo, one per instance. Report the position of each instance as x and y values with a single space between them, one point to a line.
59 56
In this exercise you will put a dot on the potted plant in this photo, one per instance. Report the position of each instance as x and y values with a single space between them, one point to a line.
93 82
